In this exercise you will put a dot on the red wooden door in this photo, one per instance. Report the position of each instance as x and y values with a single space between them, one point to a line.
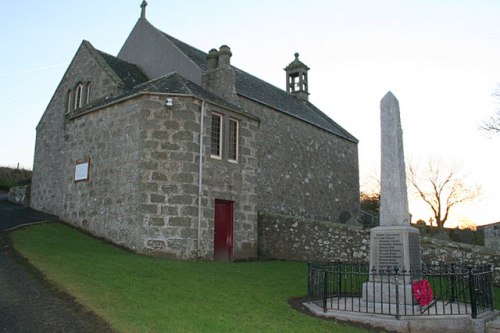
223 230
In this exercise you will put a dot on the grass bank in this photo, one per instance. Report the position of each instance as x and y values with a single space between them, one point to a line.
10 177
143 294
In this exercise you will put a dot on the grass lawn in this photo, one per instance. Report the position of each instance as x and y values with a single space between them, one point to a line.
135 293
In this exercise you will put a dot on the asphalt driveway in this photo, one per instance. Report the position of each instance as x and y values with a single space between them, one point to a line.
28 303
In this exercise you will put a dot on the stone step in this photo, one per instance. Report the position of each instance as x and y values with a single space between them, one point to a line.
493 326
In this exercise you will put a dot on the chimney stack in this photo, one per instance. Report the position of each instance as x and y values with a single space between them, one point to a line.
213 59
220 78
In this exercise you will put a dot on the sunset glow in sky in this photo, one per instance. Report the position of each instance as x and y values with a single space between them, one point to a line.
440 58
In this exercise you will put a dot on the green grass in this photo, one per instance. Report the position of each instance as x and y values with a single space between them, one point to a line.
144 294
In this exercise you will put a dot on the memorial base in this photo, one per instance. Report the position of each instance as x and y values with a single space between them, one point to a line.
395 247
387 293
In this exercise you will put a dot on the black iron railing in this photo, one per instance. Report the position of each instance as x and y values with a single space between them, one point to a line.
433 290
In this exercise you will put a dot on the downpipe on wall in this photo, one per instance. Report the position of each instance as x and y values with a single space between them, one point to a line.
200 177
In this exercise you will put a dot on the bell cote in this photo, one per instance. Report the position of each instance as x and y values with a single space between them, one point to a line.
296 78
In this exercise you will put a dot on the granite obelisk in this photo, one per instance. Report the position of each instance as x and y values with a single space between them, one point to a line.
395 243
394 196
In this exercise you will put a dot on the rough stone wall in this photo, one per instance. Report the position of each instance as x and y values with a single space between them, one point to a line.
20 195
237 182
169 190
289 238
49 161
295 238
303 170
106 204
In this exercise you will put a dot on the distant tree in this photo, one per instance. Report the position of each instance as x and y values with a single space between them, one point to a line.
370 202
442 189
421 223
493 124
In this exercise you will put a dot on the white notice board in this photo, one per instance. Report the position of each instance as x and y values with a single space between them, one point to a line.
82 171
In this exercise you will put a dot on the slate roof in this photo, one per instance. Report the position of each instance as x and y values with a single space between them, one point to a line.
260 91
172 83
130 74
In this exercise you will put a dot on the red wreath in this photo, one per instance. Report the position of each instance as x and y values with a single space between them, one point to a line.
422 291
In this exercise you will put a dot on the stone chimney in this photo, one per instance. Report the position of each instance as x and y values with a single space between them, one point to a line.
220 78
296 78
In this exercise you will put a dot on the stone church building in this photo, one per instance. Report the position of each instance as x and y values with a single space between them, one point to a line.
168 150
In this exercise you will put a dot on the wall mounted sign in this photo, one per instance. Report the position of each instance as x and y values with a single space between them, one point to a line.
82 171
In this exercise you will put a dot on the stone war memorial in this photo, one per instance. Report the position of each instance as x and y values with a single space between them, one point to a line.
395 290
394 243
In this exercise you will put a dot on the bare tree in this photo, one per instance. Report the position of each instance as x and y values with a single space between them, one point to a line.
442 189
493 124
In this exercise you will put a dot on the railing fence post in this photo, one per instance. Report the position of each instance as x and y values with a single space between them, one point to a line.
453 283
339 281
309 283
490 286
472 293
396 276
325 289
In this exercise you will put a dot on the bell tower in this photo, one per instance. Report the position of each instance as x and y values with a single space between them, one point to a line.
296 78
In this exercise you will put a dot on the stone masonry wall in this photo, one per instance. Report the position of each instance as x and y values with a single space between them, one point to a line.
169 190
283 237
143 186
20 195
106 204
303 170
49 168
492 236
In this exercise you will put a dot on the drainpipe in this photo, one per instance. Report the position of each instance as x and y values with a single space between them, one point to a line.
200 177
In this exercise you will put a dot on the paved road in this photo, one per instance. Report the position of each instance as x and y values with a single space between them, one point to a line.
28 303
12 215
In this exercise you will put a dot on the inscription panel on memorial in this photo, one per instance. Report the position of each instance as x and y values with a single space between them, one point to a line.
389 250
414 249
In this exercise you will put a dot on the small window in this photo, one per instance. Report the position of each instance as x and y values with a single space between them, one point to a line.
78 95
216 136
68 104
89 89
233 140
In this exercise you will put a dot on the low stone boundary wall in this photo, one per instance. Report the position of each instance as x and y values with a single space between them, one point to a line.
20 195
293 238
290 238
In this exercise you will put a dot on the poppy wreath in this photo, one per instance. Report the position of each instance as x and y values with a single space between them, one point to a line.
422 292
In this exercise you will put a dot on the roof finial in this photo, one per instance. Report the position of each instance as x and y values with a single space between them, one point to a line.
143 8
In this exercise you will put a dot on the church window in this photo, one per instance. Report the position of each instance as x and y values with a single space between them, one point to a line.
216 136
78 95
68 102
89 89
233 140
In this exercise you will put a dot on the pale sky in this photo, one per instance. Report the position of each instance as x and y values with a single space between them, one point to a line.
441 59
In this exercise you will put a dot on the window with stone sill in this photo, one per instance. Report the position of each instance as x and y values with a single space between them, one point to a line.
68 101
89 89
78 96
233 140
216 136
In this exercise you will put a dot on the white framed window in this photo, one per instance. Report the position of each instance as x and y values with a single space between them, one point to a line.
233 139
68 104
216 136
78 96
87 96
